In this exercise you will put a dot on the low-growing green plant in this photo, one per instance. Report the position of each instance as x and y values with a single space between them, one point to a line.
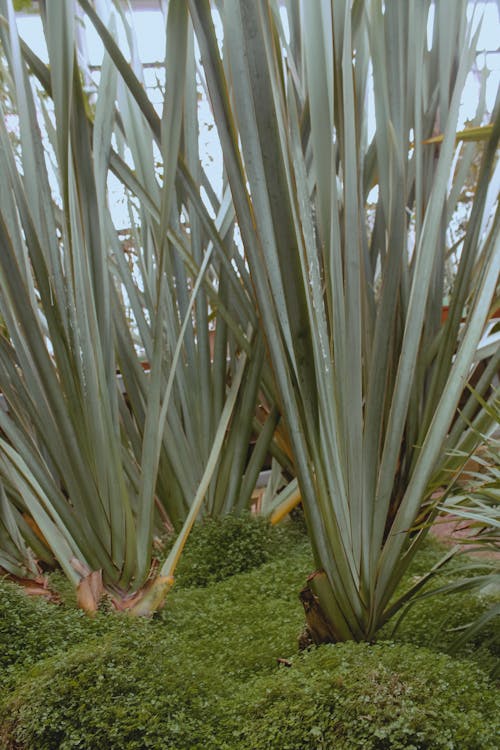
349 696
437 621
32 629
128 693
123 693
221 547
204 673
160 683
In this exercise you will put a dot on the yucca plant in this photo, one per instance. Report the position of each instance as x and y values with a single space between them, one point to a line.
221 314
348 280
350 296
79 458
474 505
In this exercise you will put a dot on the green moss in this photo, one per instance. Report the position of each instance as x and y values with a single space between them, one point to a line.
153 691
351 696
160 684
31 629
204 673
222 547
130 692
437 621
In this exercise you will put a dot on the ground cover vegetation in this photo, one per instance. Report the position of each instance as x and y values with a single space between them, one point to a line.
299 307
205 672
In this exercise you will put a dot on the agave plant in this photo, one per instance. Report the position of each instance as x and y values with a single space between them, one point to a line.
92 473
350 295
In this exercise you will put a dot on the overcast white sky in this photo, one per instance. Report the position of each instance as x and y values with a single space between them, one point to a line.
150 34
151 39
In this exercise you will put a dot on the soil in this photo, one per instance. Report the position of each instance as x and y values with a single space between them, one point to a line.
451 530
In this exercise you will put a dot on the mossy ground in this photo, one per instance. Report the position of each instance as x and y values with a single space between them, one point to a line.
205 673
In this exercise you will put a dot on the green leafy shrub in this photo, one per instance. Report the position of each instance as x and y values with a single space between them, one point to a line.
221 547
351 696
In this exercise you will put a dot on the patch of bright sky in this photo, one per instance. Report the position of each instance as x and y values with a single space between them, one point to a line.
150 35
